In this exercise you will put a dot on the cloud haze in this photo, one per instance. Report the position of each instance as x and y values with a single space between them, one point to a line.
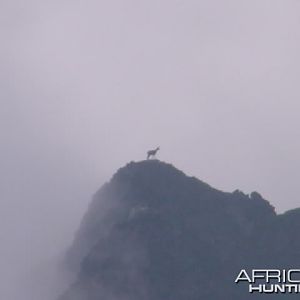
89 86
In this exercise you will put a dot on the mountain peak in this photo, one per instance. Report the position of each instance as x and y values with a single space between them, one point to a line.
153 172
151 226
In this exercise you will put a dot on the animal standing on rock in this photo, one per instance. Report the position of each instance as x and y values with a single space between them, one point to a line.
152 153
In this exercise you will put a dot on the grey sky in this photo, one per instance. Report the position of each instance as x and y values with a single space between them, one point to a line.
87 86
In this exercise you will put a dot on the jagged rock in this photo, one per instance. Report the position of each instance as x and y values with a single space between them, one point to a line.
153 233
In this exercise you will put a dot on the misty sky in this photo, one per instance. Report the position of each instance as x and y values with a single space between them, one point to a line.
87 86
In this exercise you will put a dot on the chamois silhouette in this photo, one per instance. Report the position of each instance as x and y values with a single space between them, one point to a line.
152 153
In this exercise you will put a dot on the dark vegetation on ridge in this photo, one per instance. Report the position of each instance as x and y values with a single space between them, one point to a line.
153 233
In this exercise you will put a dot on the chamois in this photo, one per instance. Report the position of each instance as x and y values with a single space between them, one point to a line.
152 153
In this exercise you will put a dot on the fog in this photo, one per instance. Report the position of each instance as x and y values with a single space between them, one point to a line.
87 86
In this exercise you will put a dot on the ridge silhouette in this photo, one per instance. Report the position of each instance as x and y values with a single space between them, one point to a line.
154 233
